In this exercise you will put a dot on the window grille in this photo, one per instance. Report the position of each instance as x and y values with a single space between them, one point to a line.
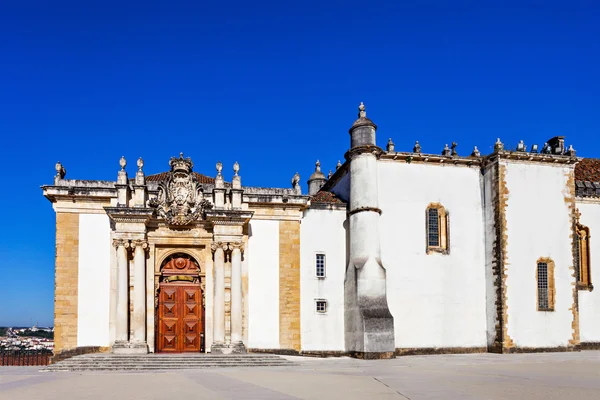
321 306
543 298
433 225
320 265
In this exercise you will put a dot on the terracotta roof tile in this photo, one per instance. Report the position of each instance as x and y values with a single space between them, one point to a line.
163 176
326 197
588 170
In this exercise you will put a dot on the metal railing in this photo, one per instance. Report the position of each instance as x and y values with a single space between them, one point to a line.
22 357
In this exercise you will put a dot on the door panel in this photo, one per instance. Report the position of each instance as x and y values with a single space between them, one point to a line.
180 318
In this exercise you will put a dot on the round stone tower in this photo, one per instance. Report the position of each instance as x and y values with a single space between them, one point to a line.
369 325
316 180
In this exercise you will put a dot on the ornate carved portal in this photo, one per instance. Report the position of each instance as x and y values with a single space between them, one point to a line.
180 309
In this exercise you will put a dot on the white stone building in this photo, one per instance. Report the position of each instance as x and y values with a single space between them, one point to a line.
395 253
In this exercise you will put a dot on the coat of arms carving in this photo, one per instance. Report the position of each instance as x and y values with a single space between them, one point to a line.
180 199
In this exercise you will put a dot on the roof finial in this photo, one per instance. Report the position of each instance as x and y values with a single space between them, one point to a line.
498 146
219 167
236 169
338 165
475 152
390 146
330 174
140 163
123 163
318 166
362 113
417 148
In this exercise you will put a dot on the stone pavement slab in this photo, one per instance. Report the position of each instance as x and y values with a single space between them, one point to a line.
571 376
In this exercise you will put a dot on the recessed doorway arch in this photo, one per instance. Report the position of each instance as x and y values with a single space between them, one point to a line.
180 306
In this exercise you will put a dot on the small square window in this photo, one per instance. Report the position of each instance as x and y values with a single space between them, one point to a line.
320 265
321 306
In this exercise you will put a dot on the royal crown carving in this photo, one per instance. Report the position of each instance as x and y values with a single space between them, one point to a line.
180 200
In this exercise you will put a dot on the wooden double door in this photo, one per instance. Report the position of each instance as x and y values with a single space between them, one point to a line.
180 318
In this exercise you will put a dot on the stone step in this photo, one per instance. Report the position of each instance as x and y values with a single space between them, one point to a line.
109 362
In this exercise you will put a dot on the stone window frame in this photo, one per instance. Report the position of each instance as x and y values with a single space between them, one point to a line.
317 254
583 271
551 287
443 229
325 306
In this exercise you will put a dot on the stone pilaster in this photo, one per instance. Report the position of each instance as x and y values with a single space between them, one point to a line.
289 285
236 296
66 281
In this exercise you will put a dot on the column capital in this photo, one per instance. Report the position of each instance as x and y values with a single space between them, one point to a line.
142 243
219 245
120 243
236 245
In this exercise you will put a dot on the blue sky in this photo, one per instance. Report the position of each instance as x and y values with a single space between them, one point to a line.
272 85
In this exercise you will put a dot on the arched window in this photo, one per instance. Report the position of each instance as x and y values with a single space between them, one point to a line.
436 223
582 255
545 284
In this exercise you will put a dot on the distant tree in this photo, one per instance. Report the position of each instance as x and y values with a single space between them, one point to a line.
37 334
3 331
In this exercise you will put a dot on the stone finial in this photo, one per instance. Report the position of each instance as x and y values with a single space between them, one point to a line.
390 146
475 152
296 184
546 149
219 167
318 166
362 110
454 153
498 146
236 169
140 164
534 148
571 151
521 146
446 151
123 163
417 148
338 165
60 170
330 174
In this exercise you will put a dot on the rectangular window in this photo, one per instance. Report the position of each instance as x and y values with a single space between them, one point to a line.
577 257
433 227
321 306
320 265
543 297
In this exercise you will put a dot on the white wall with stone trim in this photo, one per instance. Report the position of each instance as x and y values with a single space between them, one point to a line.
490 191
94 280
322 231
589 302
538 223
437 300
263 284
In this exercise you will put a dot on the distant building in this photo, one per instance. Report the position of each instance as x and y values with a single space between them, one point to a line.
393 253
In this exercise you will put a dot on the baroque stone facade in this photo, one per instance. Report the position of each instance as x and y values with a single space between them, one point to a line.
185 262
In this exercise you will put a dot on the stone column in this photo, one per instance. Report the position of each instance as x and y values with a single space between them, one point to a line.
138 319
219 299
236 297
122 300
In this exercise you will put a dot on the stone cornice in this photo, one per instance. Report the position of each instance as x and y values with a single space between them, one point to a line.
129 214
228 217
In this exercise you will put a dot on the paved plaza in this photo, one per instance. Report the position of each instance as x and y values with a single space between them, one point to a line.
546 376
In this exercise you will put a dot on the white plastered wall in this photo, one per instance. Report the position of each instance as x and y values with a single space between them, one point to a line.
437 300
322 231
94 280
589 302
263 284
538 225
